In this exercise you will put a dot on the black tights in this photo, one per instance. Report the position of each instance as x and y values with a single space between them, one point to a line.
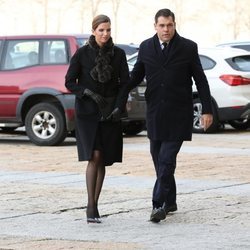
95 174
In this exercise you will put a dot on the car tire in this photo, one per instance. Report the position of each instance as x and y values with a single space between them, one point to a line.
133 127
45 124
240 124
197 127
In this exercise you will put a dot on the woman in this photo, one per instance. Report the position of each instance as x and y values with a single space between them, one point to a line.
96 74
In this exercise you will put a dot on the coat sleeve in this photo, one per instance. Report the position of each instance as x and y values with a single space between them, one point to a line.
137 73
73 74
123 79
201 83
136 78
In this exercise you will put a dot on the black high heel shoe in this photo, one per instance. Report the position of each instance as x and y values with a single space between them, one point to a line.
93 220
91 216
96 213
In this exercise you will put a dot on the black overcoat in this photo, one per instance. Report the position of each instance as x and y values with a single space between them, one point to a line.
169 87
87 114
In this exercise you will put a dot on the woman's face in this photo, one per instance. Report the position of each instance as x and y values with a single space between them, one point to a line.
102 33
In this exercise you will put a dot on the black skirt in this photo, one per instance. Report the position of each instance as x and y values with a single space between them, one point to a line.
108 139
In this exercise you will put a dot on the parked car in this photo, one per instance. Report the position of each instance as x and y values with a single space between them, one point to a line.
32 91
129 49
237 45
228 74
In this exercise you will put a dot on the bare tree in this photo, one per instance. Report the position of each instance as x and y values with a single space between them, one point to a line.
116 5
136 12
44 4
178 6
94 6
33 14
46 16
233 19
246 15
86 6
237 11
61 10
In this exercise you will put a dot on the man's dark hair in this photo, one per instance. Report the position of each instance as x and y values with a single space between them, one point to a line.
164 13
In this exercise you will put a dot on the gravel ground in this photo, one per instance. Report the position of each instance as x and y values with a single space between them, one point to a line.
43 196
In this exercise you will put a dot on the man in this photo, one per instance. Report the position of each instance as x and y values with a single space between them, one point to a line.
169 63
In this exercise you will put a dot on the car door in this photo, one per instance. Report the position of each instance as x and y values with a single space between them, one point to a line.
18 56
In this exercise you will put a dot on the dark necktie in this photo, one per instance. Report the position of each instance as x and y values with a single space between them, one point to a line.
165 48
165 45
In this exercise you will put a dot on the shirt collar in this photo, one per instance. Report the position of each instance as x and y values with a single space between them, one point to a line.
161 43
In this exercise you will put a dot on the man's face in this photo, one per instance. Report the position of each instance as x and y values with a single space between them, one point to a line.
165 28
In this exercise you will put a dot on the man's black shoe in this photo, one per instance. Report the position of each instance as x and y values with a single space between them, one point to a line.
157 215
171 208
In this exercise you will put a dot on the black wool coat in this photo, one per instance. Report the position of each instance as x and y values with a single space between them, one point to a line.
87 114
169 87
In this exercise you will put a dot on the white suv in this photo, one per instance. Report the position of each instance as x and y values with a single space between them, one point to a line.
237 45
228 74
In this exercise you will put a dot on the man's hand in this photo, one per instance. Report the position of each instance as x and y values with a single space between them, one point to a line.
115 115
206 121
101 102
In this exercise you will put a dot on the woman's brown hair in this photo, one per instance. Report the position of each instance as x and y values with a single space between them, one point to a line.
100 19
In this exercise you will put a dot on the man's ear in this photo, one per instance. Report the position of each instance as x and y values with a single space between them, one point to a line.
155 26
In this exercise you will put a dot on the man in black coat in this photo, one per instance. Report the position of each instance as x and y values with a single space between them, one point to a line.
169 62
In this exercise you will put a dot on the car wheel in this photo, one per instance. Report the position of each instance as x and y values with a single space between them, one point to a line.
240 124
197 127
45 124
133 127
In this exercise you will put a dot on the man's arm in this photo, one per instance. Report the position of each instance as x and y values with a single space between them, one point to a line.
201 83
136 77
206 121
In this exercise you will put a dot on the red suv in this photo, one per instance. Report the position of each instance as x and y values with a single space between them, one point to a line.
32 91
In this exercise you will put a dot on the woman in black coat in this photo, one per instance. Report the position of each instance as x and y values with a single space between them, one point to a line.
96 74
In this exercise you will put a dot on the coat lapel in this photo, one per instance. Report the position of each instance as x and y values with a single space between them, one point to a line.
158 50
164 59
173 44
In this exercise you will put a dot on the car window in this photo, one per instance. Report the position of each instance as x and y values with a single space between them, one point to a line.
81 41
21 54
54 52
242 46
206 62
132 60
129 49
241 63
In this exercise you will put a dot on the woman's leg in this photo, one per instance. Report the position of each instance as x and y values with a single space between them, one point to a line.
99 182
95 174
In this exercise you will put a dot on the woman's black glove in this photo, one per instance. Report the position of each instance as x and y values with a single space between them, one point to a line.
101 102
115 115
